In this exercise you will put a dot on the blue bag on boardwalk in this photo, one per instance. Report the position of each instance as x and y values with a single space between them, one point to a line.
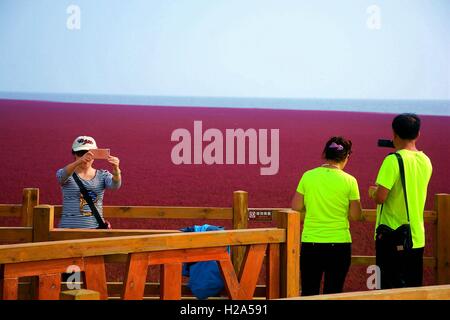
205 279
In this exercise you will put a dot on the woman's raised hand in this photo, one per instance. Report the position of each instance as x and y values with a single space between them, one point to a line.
86 158
114 161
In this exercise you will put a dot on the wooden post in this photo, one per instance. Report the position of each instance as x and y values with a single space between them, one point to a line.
231 281
442 203
30 199
250 270
136 275
42 223
10 288
290 254
95 275
170 281
43 220
81 294
49 286
273 271
240 221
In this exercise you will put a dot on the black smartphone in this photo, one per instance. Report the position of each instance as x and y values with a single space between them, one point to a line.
386 143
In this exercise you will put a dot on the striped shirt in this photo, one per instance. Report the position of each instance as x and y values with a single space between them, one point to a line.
76 212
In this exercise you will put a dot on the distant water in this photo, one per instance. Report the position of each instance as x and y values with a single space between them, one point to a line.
423 107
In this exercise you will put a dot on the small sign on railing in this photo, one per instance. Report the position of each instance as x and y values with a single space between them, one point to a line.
260 215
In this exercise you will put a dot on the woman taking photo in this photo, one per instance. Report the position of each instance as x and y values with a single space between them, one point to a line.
77 212
327 197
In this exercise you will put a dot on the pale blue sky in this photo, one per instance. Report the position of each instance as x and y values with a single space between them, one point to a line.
228 48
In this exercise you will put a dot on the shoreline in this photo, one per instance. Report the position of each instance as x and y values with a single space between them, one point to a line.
262 104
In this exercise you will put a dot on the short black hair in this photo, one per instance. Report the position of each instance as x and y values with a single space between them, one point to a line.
338 151
406 126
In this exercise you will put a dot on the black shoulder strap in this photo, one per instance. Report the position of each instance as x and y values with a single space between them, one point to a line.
87 197
403 179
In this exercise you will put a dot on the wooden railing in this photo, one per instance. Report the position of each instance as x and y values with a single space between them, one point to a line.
237 213
47 260
421 293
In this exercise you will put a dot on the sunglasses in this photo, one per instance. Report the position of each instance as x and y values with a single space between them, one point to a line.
81 153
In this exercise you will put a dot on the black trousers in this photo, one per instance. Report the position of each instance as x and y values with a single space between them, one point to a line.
399 269
329 260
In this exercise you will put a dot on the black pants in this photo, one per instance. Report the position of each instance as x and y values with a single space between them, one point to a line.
332 261
399 269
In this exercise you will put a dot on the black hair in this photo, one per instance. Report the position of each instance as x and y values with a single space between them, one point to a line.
406 126
79 153
338 151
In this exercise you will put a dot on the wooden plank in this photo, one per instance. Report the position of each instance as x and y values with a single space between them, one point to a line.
240 221
43 221
251 269
115 289
10 288
81 294
180 256
290 254
10 210
16 234
363 260
95 276
34 268
430 216
59 234
230 279
273 271
122 245
419 293
151 212
49 286
152 289
429 262
171 281
187 255
137 268
370 215
30 199
133 212
442 204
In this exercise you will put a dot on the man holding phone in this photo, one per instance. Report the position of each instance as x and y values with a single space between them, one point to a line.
83 186
402 267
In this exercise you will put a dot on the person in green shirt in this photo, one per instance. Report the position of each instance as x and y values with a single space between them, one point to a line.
327 197
402 268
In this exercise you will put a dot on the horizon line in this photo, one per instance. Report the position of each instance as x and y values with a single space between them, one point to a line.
441 107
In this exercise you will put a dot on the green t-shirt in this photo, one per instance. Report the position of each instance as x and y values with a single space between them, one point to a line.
327 194
418 170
